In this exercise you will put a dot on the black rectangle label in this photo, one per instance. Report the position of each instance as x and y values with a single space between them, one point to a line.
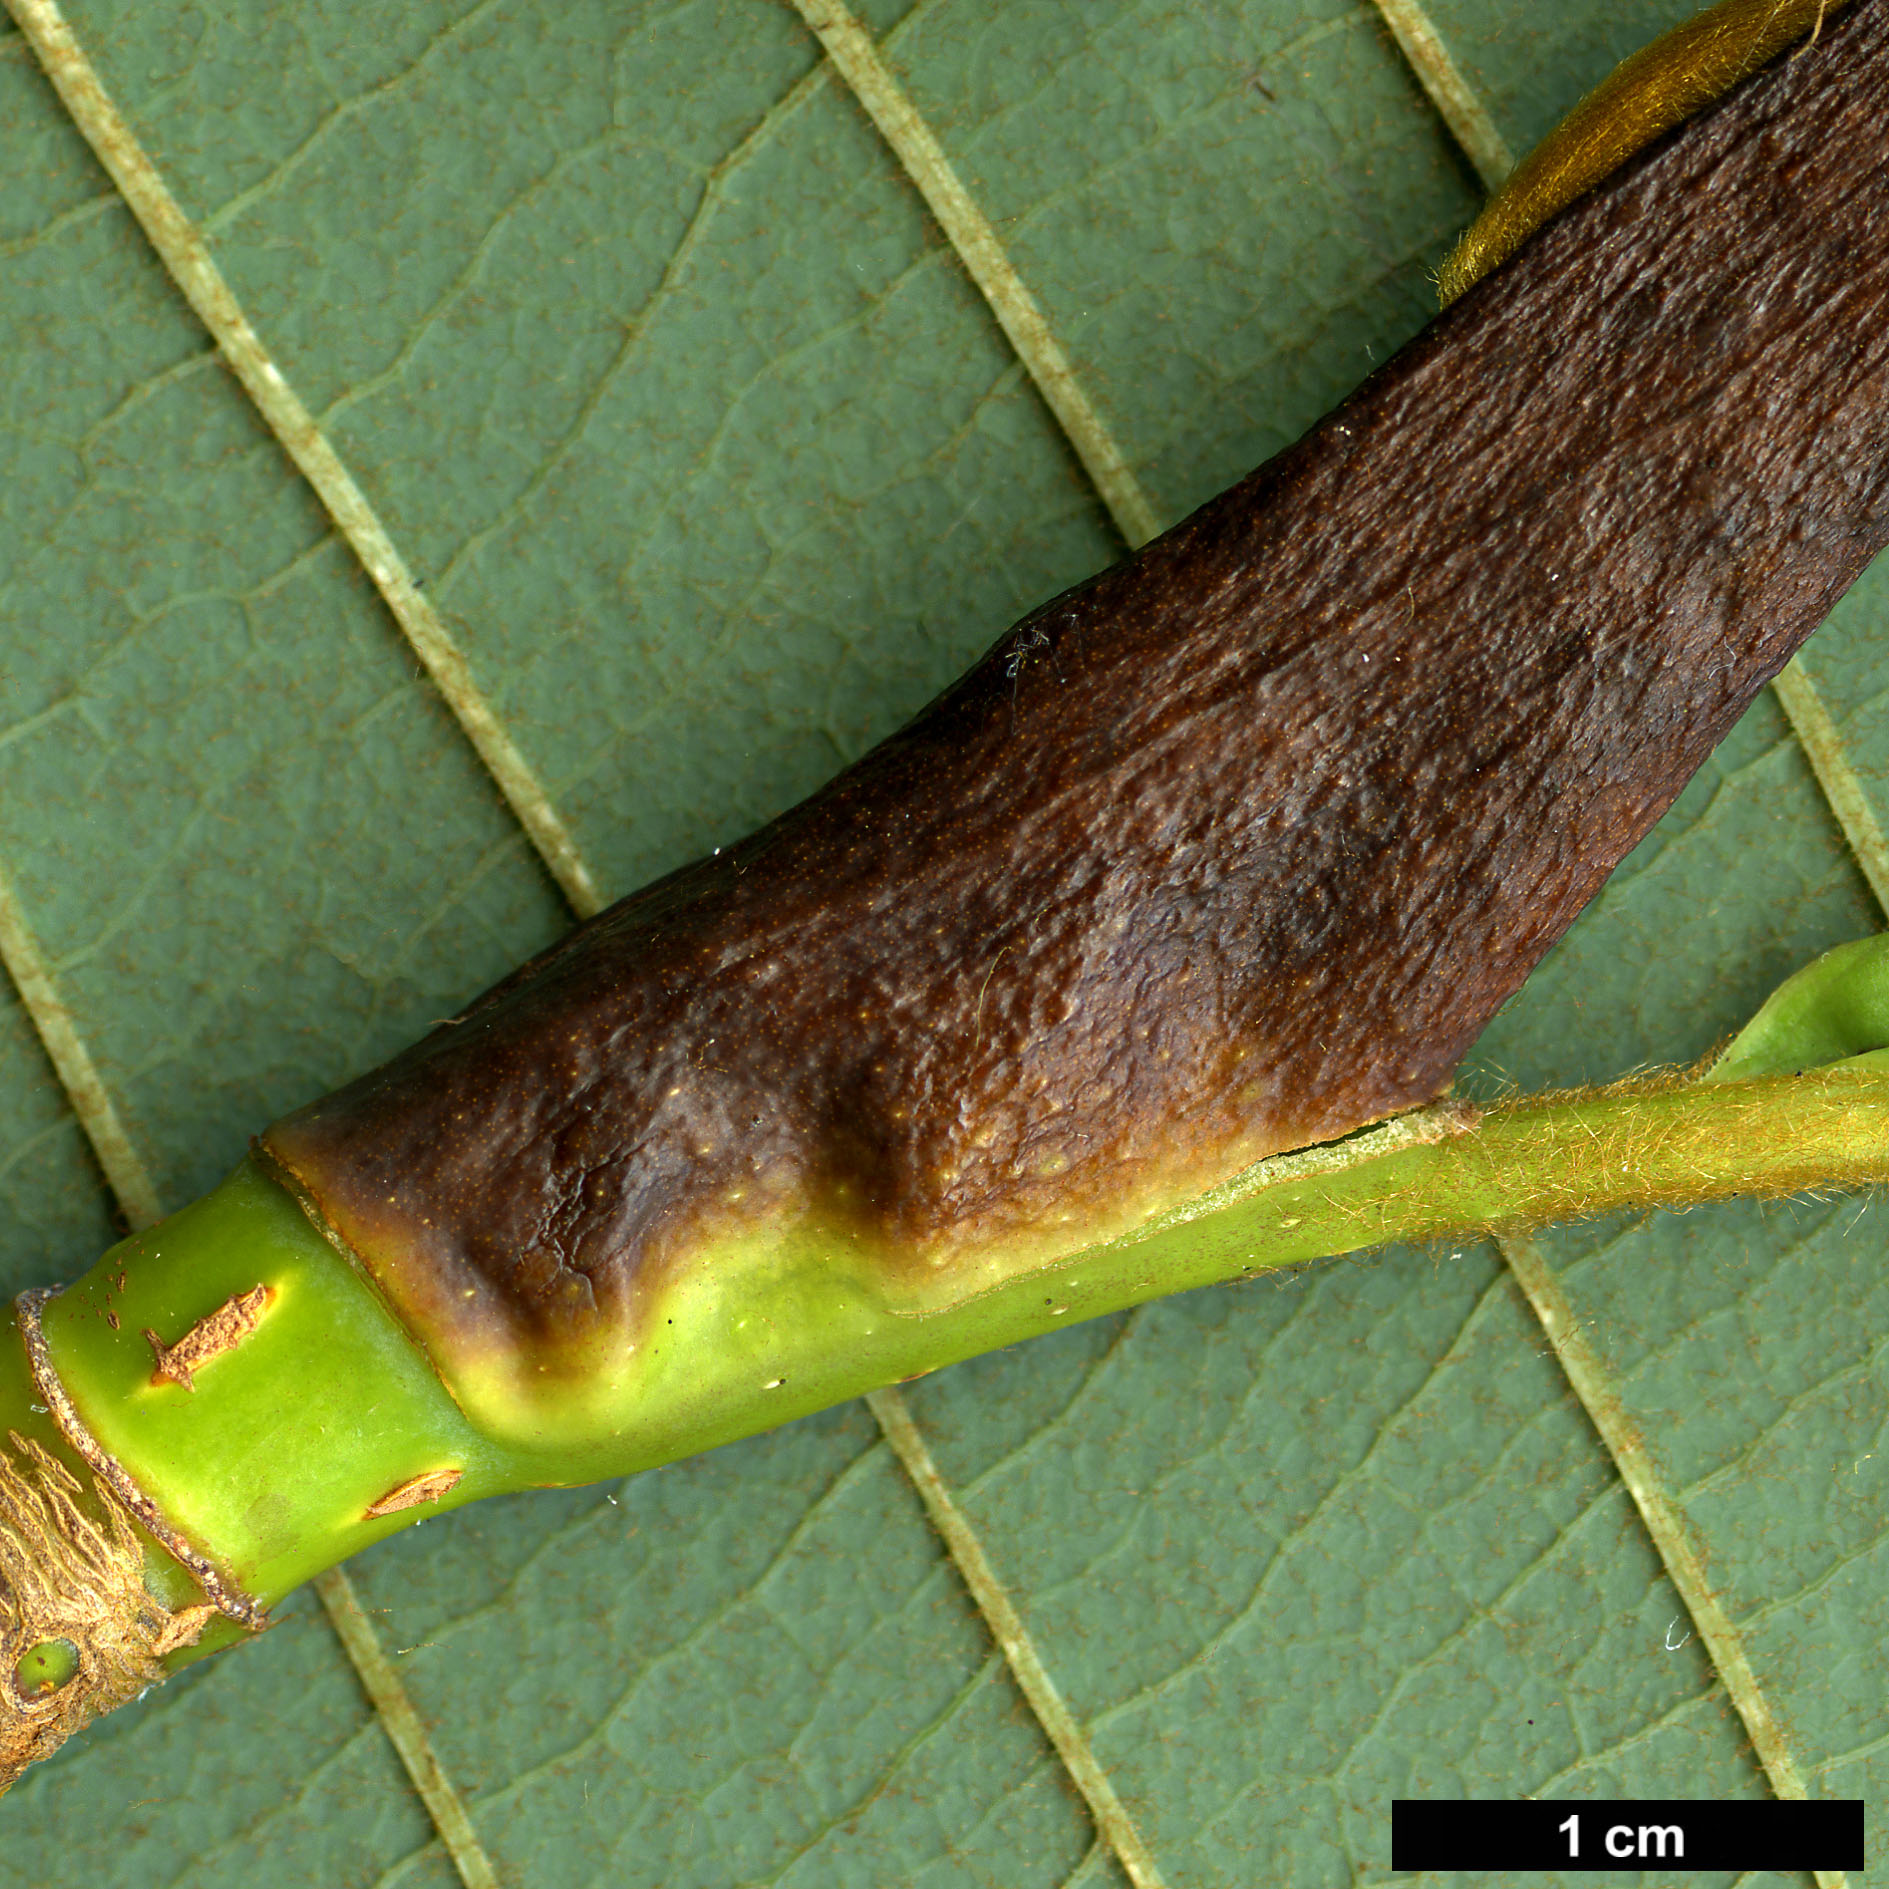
1667 1834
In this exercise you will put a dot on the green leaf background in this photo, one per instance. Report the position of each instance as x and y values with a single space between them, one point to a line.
660 375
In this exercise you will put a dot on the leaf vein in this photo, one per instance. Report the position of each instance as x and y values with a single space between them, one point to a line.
1468 119
1664 1519
1013 1639
916 146
184 254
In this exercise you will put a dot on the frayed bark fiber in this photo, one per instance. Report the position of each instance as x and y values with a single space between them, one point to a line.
74 1572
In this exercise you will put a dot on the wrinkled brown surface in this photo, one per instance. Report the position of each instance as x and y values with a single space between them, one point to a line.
1241 843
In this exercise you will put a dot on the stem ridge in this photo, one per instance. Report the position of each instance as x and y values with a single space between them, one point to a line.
218 1589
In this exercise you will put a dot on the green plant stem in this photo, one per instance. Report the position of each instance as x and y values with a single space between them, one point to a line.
1659 1142
270 1461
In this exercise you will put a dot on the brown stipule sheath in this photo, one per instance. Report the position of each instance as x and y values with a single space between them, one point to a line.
1230 849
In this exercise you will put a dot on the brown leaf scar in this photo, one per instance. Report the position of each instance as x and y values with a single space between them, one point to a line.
222 1330
411 1493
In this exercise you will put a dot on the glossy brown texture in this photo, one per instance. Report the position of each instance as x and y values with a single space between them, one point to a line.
1241 843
